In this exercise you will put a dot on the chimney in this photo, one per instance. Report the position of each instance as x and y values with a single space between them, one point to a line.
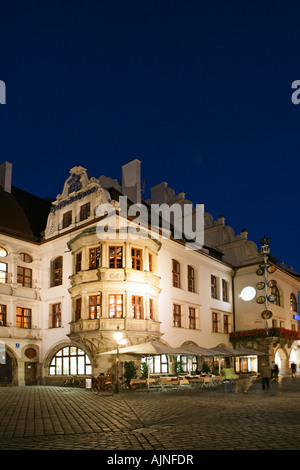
5 176
131 181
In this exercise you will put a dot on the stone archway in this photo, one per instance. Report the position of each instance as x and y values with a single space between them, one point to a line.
8 366
295 355
282 361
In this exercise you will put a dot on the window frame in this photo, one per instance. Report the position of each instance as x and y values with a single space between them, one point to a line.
176 273
57 271
293 303
177 316
225 292
115 260
94 307
191 278
3 315
136 260
24 276
3 273
214 286
94 257
113 306
85 211
137 307
23 317
216 322
67 219
192 318
56 315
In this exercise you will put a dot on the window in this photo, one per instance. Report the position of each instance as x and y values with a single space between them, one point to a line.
151 309
78 309
24 276
56 315
94 307
275 291
94 256
136 256
216 322
85 211
214 290
192 318
191 279
2 315
78 263
227 324
294 304
3 252
56 271
115 305
67 219
158 364
177 315
70 361
224 290
176 273
3 273
23 317
150 263
115 257
25 257
137 306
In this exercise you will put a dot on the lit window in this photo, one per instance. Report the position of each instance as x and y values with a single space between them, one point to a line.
115 305
137 306
214 290
3 273
94 256
56 315
70 361
2 315
227 324
3 252
94 307
23 317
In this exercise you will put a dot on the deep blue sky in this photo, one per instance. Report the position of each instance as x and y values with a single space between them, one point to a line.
199 91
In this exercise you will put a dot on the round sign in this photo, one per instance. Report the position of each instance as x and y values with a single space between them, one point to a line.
260 285
261 300
248 293
266 314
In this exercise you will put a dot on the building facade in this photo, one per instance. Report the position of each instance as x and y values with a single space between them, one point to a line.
76 269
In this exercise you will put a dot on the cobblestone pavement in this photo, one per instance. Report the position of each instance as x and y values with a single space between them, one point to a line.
55 418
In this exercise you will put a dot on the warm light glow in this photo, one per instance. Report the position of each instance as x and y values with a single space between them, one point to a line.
248 293
118 335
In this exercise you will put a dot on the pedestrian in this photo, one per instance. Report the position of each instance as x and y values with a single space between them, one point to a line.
275 372
272 366
265 375
293 369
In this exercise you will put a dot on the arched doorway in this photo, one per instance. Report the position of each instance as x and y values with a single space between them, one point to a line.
281 361
8 366
295 355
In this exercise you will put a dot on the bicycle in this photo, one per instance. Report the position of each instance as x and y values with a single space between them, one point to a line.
103 383
73 382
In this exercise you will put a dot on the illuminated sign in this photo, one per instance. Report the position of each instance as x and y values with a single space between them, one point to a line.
296 317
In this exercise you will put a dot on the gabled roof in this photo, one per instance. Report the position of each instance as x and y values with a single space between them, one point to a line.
22 214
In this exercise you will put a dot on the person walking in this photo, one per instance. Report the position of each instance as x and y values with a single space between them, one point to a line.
293 369
265 375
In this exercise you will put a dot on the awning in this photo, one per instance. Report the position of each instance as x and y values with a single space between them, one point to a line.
151 348
196 350
239 352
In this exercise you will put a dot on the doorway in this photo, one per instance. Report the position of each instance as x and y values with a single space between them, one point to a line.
30 373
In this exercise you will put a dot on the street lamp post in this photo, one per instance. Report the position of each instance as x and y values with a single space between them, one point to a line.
118 337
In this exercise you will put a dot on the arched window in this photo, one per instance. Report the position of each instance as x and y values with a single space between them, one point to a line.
3 252
294 303
25 257
70 361
56 271
275 291
176 273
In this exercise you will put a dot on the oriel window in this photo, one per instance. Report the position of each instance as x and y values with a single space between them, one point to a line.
115 257
78 309
137 306
94 256
94 307
115 305
136 256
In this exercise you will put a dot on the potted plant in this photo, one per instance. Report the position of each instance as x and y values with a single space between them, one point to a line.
130 371
144 370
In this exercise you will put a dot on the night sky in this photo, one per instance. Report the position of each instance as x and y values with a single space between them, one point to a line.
199 91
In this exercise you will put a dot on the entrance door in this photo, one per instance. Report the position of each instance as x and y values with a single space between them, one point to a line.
30 373
6 371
